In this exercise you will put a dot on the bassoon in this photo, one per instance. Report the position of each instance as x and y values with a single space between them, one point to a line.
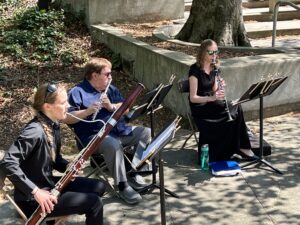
38 216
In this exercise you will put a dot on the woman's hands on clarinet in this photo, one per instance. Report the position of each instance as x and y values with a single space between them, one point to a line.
45 199
220 93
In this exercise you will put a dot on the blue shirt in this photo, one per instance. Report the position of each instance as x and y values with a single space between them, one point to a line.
81 97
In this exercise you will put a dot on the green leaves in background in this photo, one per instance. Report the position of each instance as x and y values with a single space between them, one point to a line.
33 35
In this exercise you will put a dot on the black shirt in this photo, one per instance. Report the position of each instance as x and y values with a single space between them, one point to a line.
28 162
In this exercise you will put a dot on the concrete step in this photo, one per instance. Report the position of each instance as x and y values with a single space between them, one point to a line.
263 14
259 21
187 5
263 17
261 4
264 29
245 4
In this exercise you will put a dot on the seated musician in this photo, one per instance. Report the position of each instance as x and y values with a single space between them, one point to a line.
209 109
86 104
30 160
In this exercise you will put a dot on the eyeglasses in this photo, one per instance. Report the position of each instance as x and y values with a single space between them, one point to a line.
51 88
105 74
213 52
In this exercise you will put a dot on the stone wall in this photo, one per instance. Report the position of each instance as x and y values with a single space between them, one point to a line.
151 65
103 11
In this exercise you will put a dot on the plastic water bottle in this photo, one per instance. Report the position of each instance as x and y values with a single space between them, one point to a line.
204 157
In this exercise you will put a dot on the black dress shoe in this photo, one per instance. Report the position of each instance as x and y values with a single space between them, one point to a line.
248 157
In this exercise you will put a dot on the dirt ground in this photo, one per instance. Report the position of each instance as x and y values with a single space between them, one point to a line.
143 32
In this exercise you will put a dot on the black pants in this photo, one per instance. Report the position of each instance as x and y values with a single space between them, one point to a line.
82 196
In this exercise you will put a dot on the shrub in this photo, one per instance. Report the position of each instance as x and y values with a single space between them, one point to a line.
33 35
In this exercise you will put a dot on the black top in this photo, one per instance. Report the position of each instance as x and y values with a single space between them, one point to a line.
211 110
224 138
28 162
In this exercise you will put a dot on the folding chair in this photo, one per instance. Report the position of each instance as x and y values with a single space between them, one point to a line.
184 88
58 220
100 167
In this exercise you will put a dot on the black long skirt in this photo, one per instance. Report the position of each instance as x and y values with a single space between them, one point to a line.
223 137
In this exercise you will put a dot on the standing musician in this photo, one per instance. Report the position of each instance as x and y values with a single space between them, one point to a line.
85 104
30 160
210 111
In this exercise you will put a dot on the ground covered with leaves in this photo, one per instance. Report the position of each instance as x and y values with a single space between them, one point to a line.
46 54
143 32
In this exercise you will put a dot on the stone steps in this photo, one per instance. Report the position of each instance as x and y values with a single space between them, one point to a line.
261 4
263 14
264 29
259 21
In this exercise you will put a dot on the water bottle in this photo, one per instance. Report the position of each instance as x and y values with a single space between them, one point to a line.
204 157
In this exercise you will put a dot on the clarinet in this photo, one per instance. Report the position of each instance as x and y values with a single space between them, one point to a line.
38 216
100 99
221 87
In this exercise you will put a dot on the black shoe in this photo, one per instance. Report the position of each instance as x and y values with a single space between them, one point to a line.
247 157
137 182
130 196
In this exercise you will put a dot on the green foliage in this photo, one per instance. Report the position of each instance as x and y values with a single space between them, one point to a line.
33 35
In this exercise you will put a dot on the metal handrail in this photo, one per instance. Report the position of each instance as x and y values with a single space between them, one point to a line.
276 7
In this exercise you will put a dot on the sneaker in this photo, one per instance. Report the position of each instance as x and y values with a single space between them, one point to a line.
130 196
137 182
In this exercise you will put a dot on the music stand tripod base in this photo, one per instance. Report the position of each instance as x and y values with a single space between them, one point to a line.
154 148
261 159
260 90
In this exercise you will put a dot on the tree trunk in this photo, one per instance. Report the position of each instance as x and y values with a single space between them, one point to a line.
220 20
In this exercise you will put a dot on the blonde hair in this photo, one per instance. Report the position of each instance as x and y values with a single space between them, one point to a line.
42 96
95 65
202 51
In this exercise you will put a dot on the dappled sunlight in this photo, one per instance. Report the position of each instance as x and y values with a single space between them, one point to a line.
259 193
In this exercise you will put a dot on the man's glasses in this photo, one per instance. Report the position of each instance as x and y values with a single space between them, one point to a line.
213 52
51 88
105 74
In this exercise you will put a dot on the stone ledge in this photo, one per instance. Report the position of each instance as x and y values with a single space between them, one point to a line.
151 65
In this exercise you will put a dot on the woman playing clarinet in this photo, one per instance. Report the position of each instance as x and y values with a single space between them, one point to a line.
31 159
221 125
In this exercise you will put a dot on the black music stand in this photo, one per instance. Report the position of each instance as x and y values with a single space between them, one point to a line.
151 102
260 90
155 147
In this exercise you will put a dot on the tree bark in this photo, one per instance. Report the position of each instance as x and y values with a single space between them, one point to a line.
220 20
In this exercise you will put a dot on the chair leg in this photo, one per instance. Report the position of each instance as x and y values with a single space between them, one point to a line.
195 136
16 207
186 140
99 169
